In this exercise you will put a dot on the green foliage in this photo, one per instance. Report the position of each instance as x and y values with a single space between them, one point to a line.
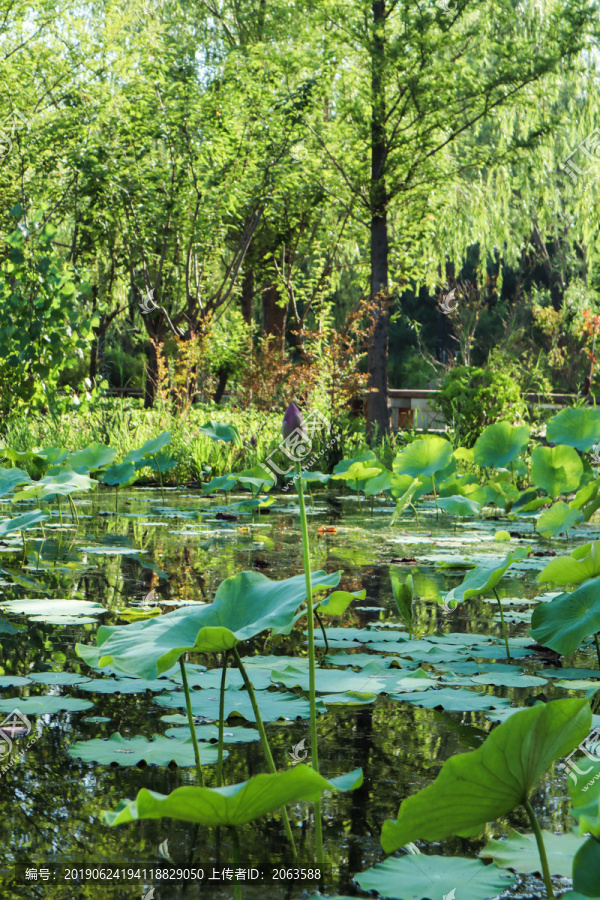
475 788
556 470
234 805
568 619
44 328
472 398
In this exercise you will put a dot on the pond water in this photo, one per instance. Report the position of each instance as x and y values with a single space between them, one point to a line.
52 795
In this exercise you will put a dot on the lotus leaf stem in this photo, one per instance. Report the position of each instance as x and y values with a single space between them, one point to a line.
320 621
188 703
235 837
541 848
503 624
597 647
264 741
314 755
222 720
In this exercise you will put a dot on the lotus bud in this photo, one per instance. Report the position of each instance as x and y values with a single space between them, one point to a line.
291 421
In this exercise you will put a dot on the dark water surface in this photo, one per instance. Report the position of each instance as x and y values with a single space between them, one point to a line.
50 802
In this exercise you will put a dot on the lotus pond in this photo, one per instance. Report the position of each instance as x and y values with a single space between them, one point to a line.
414 667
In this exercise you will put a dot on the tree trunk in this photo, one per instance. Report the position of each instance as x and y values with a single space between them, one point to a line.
221 384
378 410
274 317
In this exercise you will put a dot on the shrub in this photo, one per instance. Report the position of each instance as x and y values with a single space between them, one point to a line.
472 398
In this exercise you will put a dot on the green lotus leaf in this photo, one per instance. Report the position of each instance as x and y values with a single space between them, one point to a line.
244 605
416 877
500 444
579 428
149 448
457 699
459 506
423 457
124 473
316 477
371 680
520 852
61 484
567 620
221 483
556 470
13 681
43 609
378 483
236 804
42 706
405 498
558 519
586 867
61 678
368 457
511 678
338 602
160 751
221 431
257 479
11 478
21 523
584 788
126 685
477 787
485 578
583 563
272 706
357 472
96 456
236 734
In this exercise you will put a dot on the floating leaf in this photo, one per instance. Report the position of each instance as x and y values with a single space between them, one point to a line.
160 751
272 706
520 852
49 608
41 706
459 699
236 804
126 685
124 473
416 877
236 734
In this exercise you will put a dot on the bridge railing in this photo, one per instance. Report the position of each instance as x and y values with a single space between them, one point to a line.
413 408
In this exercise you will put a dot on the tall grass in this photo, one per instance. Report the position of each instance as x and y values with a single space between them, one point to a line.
124 425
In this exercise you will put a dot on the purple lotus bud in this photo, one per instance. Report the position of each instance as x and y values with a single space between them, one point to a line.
253 441
291 421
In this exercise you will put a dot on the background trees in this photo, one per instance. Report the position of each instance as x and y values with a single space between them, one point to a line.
274 164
